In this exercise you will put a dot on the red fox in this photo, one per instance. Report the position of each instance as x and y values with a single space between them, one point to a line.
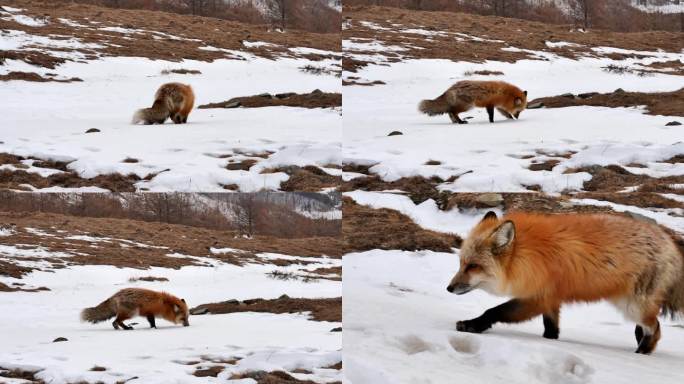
543 261
131 302
508 99
174 100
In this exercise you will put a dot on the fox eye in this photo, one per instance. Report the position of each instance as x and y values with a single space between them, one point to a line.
471 267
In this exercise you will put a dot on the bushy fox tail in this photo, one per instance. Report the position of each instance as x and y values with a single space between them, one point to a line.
138 116
437 106
99 313
674 301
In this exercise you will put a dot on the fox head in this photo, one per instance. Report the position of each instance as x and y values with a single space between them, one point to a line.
481 255
519 104
181 313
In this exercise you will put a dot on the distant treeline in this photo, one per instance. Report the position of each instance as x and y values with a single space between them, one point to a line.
246 213
308 15
614 15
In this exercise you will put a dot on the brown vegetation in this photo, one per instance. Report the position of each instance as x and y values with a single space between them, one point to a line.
32 76
314 99
365 228
657 103
328 309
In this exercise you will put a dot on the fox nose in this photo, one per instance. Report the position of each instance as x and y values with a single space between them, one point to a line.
450 288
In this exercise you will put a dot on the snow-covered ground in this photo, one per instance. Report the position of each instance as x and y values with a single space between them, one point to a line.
49 120
400 323
495 157
258 341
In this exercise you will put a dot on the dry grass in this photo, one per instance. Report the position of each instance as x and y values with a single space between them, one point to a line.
34 77
328 309
657 103
314 99
365 228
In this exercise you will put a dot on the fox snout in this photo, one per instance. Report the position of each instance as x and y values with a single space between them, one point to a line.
459 288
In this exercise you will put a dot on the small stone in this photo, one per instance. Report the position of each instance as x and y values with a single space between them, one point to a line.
587 95
265 94
338 329
490 199
283 297
535 105
568 95
619 90
672 123
199 311
395 133
284 95
233 104
60 339
92 130
316 92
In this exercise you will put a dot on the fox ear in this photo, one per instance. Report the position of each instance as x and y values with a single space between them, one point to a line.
518 101
503 236
525 93
489 215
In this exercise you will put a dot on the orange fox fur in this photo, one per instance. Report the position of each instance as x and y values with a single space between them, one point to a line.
506 98
543 261
131 302
174 100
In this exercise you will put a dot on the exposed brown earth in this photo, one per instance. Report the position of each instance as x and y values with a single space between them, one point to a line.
18 179
275 377
191 33
417 188
140 244
314 99
328 309
614 178
511 32
657 103
32 76
307 179
365 228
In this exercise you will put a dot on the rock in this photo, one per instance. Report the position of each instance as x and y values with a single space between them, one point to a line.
535 105
92 130
338 329
284 95
640 217
587 95
568 95
395 133
619 90
490 199
672 123
265 94
233 104
316 92
60 339
199 311
283 297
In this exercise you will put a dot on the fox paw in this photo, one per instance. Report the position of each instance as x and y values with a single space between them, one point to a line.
471 326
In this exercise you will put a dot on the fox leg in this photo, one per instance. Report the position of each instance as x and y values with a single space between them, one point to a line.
512 311
185 119
551 329
150 319
453 115
505 113
119 321
490 112
647 331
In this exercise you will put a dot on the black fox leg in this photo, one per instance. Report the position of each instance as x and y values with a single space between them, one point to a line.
512 311
185 119
453 115
150 319
120 322
115 324
638 333
551 329
490 112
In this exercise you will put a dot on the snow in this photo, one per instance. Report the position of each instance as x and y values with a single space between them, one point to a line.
189 157
489 157
261 340
399 326
11 14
